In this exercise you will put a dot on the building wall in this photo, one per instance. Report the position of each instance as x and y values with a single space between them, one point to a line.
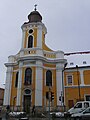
40 58
76 91
1 96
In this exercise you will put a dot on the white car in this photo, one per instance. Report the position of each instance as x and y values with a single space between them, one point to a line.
79 107
84 113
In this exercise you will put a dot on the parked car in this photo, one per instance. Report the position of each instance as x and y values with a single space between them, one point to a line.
84 114
79 107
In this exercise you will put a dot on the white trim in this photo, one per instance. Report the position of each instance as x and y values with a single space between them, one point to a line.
23 38
19 84
81 77
8 85
27 41
85 96
52 77
59 83
34 24
38 85
67 79
30 29
39 36
47 68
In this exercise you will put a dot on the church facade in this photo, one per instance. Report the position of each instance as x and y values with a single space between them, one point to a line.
35 71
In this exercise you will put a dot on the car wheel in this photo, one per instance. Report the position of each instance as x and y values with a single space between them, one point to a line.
78 118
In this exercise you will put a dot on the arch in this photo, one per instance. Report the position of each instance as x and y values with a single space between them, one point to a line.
16 81
48 78
30 41
28 76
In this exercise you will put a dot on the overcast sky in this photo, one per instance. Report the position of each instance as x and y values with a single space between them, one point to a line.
67 22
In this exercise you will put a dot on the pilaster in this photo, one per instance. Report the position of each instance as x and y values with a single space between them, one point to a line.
38 84
19 84
81 77
39 36
8 85
59 83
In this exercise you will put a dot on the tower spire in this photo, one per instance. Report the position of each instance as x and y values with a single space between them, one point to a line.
35 7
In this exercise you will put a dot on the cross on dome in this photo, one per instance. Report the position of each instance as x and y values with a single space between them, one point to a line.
35 7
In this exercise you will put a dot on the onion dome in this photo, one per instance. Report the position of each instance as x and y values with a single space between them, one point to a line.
35 16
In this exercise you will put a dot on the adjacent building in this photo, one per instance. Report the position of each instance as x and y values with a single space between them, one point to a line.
77 78
1 96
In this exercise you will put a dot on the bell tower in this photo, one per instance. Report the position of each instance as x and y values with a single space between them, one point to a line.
33 31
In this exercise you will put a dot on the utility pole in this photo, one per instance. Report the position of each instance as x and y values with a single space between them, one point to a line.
78 83
49 101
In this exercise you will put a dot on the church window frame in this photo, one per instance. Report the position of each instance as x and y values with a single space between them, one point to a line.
27 91
16 80
30 42
49 78
28 76
30 31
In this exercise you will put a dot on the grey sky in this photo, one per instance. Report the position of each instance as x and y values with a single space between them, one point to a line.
67 22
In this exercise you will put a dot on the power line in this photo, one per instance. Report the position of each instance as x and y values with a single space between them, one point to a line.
72 53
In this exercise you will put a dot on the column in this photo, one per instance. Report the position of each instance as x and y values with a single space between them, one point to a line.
23 37
58 83
81 77
8 84
19 85
38 84
39 36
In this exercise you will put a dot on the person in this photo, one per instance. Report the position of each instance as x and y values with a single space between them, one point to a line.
8 108
33 110
86 105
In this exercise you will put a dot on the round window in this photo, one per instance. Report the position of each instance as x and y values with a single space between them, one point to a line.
27 91
30 31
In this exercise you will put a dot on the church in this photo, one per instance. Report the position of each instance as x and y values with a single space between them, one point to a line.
35 71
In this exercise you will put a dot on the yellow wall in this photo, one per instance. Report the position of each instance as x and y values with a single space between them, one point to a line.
34 34
72 91
32 86
76 77
13 89
46 88
87 77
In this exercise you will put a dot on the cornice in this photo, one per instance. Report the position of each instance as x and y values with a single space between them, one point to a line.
36 58
41 58
34 24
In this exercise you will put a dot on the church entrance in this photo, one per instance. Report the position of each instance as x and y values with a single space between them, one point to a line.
27 103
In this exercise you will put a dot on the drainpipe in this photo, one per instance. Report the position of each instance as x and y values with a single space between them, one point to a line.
62 97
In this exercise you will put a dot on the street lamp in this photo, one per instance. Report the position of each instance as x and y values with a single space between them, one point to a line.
79 96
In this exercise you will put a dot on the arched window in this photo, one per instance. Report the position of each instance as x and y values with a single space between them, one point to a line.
16 81
30 41
28 76
48 78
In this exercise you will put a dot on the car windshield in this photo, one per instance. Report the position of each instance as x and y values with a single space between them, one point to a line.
87 110
78 105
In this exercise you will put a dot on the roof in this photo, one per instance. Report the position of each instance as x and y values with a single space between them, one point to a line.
82 60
